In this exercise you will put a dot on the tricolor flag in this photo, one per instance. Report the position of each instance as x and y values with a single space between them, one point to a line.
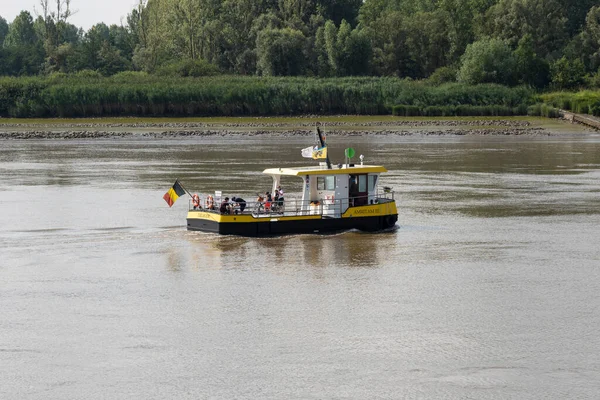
320 153
174 193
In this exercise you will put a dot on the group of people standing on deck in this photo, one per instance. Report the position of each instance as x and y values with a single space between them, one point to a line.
266 203
270 202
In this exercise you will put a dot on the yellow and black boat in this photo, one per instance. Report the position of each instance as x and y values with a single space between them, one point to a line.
338 198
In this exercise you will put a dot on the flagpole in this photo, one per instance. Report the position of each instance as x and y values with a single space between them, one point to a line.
322 141
183 187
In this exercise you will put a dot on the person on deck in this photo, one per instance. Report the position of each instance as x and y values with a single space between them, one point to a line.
268 201
280 197
353 190
240 202
225 208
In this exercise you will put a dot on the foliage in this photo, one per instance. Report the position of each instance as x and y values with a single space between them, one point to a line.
567 74
531 69
443 75
184 68
538 43
543 20
543 110
585 102
488 61
280 52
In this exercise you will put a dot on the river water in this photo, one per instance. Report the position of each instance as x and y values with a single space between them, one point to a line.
489 288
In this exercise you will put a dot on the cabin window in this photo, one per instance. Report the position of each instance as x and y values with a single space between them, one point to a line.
362 183
326 183
330 183
320 183
372 182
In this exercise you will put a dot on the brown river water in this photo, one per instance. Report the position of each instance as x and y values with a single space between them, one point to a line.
489 288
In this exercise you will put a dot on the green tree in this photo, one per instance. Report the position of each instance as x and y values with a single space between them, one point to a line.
3 30
488 61
588 42
110 61
531 69
388 39
576 11
544 20
338 10
20 31
280 52
426 42
460 20
567 74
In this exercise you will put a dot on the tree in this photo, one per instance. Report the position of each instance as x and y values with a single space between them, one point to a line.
488 61
3 30
589 40
110 60
280 52
531 69
388 40
348 51
567 74
544 20
460 20
21 32
426 42
338 10
576 11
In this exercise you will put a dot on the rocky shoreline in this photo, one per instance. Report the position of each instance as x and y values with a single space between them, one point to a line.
170 134
325 124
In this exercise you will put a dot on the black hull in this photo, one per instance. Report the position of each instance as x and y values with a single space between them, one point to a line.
267 228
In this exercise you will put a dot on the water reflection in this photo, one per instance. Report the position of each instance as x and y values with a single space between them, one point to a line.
346 249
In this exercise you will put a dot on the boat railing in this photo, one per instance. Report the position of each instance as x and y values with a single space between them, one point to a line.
328 207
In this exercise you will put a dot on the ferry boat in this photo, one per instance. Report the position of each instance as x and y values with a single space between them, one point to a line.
334 198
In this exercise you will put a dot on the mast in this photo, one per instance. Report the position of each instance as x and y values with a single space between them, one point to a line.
322 143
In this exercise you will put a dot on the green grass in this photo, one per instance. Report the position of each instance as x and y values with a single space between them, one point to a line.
82 96
583 102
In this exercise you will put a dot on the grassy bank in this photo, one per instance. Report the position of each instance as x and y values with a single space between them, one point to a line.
583 102
131 94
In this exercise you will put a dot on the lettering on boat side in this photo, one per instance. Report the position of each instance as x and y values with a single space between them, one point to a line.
204 215
366 211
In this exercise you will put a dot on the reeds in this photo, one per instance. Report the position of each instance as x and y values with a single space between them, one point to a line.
138 94
584 102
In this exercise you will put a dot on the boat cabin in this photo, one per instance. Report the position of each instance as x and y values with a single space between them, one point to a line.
330 192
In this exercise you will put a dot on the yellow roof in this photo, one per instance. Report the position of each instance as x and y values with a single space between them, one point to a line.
319 170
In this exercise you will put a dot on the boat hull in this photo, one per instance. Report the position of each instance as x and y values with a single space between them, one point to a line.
368 218
296 226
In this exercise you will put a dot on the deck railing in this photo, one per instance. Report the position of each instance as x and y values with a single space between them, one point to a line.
292 207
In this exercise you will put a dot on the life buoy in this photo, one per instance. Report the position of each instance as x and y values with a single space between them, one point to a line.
210 202
195 201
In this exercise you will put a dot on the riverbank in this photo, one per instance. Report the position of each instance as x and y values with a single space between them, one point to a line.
274 126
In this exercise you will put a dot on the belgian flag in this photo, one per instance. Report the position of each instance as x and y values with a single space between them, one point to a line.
174 193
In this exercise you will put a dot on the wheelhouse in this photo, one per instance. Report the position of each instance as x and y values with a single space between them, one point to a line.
331 192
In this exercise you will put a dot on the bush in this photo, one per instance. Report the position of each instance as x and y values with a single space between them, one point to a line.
543 110
443 75
488 61
87 74
459 111
188 68
136 93
130 76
